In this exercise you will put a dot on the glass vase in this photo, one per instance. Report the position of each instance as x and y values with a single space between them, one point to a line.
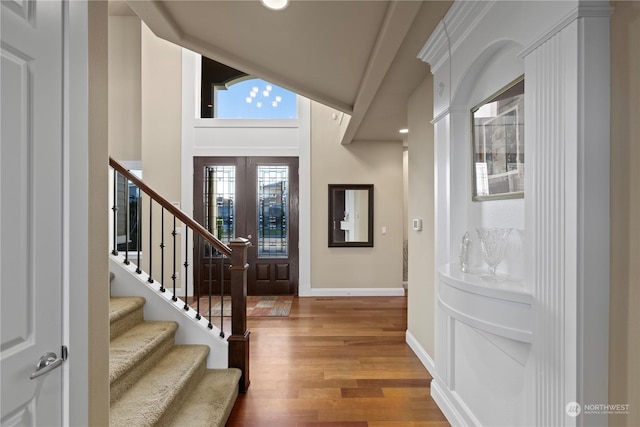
493 242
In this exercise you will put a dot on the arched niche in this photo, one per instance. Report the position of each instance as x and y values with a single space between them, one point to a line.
493 68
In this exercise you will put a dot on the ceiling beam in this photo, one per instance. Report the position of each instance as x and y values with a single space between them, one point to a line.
396 24
158 19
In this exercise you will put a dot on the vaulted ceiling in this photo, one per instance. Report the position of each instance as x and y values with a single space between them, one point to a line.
358 57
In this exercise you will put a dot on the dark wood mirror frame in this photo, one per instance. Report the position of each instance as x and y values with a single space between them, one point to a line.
342 222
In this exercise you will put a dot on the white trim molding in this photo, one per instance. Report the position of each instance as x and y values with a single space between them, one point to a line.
356 292
460 21
423 356
591 9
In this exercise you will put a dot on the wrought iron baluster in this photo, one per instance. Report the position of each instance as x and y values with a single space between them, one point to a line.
150 279
127 231
196 292
210 277
221 295
162 288
174 276
139 229
114 208
186 267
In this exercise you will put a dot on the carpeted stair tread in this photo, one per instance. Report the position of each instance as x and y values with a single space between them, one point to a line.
136 351
124 313
211 401
121 306
156 397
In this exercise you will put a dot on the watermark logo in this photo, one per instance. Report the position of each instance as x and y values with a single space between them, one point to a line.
573 409
605 409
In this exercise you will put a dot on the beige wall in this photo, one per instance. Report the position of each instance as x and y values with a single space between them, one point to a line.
624 330
421 193
145 114
378 163
161 133
405 214
98 304
125 88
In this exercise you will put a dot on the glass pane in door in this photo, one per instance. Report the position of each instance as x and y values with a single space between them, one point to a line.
273 211
219 198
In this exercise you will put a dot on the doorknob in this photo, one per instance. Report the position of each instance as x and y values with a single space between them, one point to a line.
47 363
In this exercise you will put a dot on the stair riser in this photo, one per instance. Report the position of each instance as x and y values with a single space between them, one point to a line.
126 380
123 324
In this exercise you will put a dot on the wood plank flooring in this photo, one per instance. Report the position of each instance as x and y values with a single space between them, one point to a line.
336 362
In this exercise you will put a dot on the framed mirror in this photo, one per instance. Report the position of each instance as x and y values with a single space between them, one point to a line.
497 135
350 215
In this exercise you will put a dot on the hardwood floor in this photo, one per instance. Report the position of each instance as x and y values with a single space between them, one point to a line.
336 361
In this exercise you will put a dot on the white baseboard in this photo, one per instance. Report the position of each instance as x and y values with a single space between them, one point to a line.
424 357
448 408
356 292
455 411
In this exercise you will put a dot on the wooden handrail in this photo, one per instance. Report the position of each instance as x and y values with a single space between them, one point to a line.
183 217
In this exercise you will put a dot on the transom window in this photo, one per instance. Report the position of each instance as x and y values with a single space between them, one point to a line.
253 99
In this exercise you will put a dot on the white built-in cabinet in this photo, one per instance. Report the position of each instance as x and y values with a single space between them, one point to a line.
522 351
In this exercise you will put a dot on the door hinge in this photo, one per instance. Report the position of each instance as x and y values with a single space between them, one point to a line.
64 352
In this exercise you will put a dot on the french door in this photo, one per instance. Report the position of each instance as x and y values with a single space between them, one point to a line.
256 198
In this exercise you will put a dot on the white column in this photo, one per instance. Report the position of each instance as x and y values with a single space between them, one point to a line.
567 215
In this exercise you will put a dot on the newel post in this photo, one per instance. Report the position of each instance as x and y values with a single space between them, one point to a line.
239 339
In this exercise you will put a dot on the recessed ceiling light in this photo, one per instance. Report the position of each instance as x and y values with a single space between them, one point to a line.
404 130
275 4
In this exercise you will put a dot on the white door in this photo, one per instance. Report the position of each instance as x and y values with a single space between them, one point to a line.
31 210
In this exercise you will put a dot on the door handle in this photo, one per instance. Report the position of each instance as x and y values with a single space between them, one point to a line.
47 363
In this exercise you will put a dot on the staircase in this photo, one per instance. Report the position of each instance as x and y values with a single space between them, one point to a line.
156 382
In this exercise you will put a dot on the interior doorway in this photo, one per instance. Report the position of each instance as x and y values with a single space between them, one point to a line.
252 197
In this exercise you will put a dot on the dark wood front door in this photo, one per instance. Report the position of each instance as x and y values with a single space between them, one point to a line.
256 198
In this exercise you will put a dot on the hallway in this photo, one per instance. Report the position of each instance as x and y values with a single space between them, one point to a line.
336 361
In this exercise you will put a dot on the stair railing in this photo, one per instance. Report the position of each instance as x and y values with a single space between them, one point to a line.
235 252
